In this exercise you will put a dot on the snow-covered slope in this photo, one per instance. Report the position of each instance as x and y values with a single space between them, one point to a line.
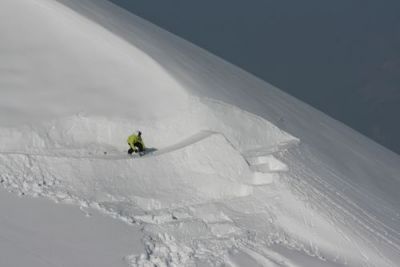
243 174
37 232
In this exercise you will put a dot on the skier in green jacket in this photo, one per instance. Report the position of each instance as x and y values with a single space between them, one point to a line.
136 144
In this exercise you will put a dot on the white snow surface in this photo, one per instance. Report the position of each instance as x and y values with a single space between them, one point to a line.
37 232
241 173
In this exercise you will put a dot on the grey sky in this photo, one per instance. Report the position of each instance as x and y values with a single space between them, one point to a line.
342 56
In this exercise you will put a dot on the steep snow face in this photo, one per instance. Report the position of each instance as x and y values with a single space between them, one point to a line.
241 175
50 69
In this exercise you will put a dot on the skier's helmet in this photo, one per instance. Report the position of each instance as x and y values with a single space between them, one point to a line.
139 133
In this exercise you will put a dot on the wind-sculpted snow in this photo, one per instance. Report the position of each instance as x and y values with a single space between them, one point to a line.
245 131
86 157
83 160
241 174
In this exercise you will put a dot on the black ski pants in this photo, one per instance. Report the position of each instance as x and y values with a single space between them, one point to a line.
138 147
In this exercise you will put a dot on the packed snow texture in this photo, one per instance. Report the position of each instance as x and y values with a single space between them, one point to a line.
37 232
241 173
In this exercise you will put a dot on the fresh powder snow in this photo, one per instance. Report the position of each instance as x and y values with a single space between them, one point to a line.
240 173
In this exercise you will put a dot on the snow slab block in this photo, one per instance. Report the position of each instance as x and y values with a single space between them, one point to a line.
267 163
260 178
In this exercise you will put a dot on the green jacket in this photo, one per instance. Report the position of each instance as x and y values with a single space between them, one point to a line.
134 138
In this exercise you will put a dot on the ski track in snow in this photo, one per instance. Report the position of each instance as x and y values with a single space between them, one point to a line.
113 156
38 179
229 185
334 202
45 172
214 223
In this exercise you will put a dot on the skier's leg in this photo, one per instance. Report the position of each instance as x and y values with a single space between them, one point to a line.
130 151
139 147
